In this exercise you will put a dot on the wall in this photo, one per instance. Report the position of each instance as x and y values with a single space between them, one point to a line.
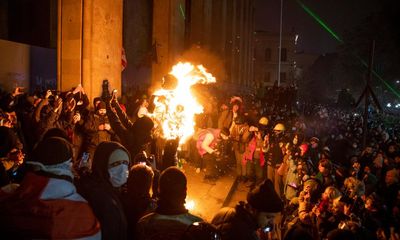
14 65
43 69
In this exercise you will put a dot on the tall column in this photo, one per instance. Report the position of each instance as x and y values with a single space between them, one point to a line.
137 41
89 44
168 35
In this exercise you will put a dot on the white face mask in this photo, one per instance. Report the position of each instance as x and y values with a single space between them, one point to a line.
118 175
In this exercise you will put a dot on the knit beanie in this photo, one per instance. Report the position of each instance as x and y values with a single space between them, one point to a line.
264 198
172 184
52 150
118 155
101 105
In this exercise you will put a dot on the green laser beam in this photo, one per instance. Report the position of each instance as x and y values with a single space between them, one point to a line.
320 21
379 77
182 11
336 36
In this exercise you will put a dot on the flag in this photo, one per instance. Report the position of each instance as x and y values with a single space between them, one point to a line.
124 62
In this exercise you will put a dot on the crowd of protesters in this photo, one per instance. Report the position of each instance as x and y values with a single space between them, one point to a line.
75 170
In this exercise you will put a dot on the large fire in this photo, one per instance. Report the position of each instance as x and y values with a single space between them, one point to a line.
175 108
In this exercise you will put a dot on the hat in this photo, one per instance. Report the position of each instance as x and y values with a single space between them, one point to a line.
314 139
263 121
8 141
279 127
56 132
101 105
96 101
52 150
172 184
264 198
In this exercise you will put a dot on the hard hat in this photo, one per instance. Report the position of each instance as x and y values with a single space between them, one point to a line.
279 127
263 121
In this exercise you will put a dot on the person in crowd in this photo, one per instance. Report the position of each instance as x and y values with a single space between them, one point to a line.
171 218
207 148
324 175
97 129
143 108
390 188
256 150
240 136
102 188
11 156
275 159
314 152
134 135
46 205
251 219
137 200
227 116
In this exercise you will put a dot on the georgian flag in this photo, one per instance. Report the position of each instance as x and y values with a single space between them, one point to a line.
124 62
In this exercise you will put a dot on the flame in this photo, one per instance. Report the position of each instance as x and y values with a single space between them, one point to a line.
175 109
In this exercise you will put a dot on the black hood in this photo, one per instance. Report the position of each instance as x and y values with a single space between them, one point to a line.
101 157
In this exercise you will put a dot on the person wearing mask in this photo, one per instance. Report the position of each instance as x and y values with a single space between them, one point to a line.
102 188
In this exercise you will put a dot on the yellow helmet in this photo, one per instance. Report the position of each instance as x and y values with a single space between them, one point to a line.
279 127
263 121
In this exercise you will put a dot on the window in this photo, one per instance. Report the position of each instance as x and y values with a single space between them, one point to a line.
268 54
267 77
283 77
283 55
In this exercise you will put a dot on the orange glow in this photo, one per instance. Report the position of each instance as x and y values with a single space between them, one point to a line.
190 205
175 109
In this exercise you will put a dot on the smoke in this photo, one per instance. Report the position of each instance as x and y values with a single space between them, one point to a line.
200 56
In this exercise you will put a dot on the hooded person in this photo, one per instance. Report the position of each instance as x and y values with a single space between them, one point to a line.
46 205
171 218
102 186
258 213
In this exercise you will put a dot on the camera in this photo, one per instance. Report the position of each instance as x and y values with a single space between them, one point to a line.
105 92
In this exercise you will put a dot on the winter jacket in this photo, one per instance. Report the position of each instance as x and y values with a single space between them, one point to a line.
46 208
132 135
164 226
102 196
236 223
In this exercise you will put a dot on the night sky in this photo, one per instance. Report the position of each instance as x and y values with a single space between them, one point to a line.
339 15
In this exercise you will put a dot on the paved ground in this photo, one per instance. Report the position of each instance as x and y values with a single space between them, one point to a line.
208 198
